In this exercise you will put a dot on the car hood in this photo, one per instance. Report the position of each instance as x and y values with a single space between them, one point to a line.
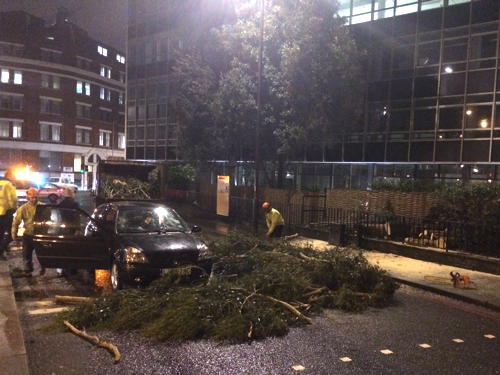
165 242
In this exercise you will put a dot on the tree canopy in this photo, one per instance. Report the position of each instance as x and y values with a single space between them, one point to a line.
312 82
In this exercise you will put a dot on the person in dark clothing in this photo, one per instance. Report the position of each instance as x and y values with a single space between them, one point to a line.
69 199
67 202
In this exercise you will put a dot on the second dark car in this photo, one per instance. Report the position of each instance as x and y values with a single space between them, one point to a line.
135 240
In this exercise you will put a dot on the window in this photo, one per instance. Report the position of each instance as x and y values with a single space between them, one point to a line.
51 82
452 84
104 138
17 129
481 81
450 118
11 76
83 110
428 54
105 115
455 50
11 128
83 135
478 117
105 94
120 58
50 55
50 132
50 160
83 63
122 77
11 49
121 98
425 86
83 88
121 141
105 71
424 119
102 51
50 105
483 46
11 101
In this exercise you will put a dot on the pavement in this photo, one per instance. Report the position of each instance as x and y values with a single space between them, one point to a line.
13 357
483 288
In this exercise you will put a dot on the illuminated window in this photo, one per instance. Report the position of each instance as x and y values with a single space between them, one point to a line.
102 51
120 58
104 138
105 71
11 76
121 141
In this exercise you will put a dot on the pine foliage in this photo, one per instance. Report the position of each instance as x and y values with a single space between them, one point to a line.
250 294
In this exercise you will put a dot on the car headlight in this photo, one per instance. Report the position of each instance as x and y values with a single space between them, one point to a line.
203 249
134 255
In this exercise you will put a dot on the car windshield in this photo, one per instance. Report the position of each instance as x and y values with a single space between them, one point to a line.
149 219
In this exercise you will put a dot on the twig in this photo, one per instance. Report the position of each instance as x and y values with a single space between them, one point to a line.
73 299
316 291
286 305
294 311
95 340
246 299
303 256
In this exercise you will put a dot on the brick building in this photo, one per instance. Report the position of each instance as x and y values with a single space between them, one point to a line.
62 97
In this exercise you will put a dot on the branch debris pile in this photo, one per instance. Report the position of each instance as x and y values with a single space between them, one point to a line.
255 290
119 187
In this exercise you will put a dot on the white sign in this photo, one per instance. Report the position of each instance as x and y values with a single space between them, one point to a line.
223 195
68 177
67 169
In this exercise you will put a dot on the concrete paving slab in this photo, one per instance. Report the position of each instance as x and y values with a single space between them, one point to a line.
13 358
14 365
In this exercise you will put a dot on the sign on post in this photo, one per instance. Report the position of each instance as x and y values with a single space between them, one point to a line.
223 195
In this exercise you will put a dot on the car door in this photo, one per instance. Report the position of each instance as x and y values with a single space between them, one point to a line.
61 239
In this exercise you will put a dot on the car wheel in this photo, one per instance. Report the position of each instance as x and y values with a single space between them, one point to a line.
116 277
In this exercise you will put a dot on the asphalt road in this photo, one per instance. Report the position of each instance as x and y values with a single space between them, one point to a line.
420 333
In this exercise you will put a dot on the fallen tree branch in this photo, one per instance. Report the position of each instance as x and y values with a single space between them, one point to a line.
304 256
73 299
294 311
95 340
316 291
286 305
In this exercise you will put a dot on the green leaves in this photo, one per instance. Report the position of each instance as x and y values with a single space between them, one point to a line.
312 82
247 296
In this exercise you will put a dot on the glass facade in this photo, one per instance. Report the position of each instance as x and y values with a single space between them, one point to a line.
359 11
433 92
151 126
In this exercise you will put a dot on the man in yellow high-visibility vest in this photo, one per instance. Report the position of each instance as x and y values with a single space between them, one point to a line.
274 221
8 205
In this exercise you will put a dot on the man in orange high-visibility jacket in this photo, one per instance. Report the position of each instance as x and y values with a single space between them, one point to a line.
8 205
274 220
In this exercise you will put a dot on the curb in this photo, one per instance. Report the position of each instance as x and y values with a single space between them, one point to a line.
446 293
13 355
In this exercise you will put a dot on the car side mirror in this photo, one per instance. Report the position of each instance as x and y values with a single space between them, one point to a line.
196 229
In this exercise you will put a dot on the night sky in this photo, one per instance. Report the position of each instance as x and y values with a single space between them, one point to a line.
104 20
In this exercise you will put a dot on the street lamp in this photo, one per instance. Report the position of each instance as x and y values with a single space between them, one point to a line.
255 210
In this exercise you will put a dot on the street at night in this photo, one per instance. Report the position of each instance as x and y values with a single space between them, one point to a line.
421 333
249 187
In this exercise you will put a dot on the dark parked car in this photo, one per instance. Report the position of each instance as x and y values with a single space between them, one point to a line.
136 240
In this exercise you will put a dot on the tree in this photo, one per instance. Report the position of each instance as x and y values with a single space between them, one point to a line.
194 85
312 82
323 68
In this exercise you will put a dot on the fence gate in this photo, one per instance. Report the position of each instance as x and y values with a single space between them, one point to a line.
314 205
